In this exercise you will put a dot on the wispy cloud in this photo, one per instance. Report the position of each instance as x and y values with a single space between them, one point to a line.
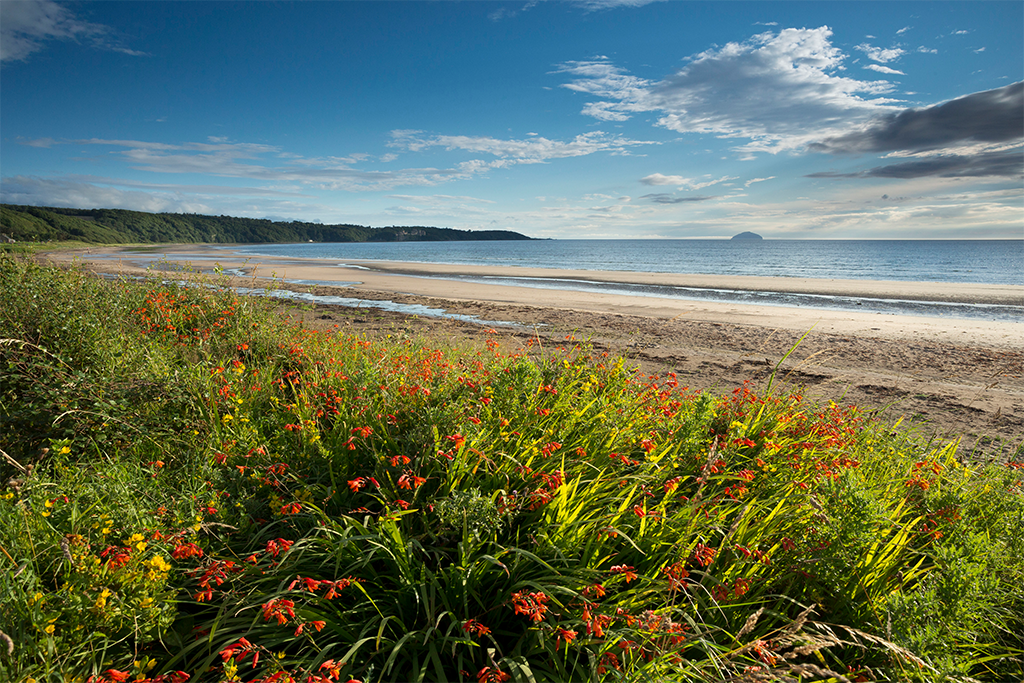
1004 163
883 69
533 150
673 199
223 158
881 54
99 192
656 179
27 25
597 5
508 12
63 192
772 90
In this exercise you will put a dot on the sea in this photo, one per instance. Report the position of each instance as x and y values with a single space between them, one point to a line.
947 261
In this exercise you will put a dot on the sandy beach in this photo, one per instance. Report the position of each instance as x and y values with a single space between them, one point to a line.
948 376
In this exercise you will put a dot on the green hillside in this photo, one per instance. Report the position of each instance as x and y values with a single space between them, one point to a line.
119 226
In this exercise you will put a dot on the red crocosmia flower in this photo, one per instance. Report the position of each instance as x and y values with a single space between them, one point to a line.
356 484
280 609
118 676
639 511
567 636
532 605
291 508
186 550
474 626
647 445
278 546
243 646
402 504
625 570
704 554
489 675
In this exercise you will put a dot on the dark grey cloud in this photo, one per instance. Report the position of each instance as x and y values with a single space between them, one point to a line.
991 116
672 199
1005 163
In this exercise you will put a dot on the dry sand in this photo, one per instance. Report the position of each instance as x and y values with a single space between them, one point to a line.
950 377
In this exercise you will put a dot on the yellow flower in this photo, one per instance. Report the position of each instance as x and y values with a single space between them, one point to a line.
159 563
50 629
65 450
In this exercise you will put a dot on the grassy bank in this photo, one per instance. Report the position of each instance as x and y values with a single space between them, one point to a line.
195 489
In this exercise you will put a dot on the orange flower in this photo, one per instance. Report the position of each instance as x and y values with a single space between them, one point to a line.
530 605
626 571
567 636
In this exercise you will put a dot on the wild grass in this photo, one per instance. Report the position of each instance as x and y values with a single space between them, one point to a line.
197 490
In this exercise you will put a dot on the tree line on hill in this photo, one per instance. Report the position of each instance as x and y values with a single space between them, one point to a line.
120 226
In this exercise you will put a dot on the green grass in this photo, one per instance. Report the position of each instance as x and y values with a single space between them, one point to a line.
193 484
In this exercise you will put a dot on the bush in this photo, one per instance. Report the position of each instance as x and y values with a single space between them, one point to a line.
244 500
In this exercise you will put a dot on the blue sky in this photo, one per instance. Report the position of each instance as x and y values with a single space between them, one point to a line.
590 119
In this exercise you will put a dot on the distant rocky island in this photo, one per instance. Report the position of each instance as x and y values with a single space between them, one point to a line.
747 236
120 226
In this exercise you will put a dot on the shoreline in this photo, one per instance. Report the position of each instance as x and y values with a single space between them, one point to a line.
428 280
946 376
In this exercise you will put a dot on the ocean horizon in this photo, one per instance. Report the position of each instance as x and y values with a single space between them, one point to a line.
979 261
968 261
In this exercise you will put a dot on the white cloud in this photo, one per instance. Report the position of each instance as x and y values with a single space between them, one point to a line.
779 90
587 5
439 200
903 30
657 179
26 25
883 69
267 163
35 191
757 180
597 5
879 54
534 150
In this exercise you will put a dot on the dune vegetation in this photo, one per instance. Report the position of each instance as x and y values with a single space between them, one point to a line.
196 488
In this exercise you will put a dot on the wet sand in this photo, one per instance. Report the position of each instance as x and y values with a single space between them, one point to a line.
950 377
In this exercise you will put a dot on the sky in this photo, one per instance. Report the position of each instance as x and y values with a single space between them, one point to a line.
568 120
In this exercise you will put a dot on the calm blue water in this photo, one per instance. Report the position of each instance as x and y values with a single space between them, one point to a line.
990 261
985 261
